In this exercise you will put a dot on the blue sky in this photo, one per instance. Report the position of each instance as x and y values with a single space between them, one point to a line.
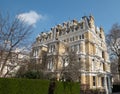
49 13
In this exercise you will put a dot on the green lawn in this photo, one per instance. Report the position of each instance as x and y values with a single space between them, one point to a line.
35 86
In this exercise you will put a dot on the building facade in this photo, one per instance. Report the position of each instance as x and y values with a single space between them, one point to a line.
11 61
89 43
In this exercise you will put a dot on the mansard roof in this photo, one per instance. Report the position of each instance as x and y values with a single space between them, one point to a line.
69 24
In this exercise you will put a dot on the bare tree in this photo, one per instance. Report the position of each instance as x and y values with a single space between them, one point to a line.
71 66
114 71
13 34
113 41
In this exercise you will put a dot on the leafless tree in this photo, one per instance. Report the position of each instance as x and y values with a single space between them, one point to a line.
38 64
13 35
114 71
71 66
113 41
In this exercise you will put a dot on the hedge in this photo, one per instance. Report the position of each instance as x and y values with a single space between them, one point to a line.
67 88
35 86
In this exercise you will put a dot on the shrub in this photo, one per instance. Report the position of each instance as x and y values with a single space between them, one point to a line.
67 88
23 86
35 86
31 75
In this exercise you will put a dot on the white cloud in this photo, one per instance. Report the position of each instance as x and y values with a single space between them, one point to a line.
30 17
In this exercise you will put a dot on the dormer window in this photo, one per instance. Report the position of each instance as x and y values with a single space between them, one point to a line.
76 28
56 30
100 36
60 33
81 26
72 29
67 31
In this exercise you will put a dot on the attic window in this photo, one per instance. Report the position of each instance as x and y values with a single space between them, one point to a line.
96 32
72 29
60 33
67 31
76 28
56 30
100 36
81 25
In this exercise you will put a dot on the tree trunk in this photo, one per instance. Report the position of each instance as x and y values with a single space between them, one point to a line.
0 74
119 66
